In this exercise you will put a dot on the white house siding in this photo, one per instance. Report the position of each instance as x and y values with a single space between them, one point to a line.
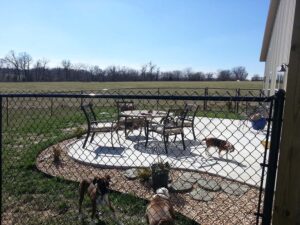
280 43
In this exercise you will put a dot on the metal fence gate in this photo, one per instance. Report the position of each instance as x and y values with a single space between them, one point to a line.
50 143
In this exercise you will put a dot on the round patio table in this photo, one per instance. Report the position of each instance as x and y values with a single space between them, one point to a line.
143 113
141 118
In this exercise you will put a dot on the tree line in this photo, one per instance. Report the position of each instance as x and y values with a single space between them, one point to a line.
21 67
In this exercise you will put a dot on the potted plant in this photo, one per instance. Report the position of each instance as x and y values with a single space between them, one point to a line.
56 154
160 175
144 174
79 132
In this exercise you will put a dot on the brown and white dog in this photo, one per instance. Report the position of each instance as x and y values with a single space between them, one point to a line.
160 210
222 145
97 190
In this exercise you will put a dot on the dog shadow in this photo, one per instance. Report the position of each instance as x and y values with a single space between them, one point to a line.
205 162
229 161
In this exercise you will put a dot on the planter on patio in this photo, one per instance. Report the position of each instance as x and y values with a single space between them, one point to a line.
258 122
160 175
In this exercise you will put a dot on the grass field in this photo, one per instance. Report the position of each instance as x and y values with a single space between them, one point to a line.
78 86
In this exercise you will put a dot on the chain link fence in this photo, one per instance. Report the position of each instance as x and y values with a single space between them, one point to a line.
210 152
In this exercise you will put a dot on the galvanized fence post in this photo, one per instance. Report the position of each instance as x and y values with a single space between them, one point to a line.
81 100
51 107
205 101
157 101
6 110
238 94
273 157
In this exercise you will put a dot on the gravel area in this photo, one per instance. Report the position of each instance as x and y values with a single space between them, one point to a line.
223 209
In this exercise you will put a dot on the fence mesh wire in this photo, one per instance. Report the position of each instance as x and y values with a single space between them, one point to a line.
206 152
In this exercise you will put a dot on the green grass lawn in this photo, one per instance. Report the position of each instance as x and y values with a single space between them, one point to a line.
78 86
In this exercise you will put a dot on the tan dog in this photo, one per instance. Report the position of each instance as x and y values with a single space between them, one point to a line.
97 190
222 145
160 211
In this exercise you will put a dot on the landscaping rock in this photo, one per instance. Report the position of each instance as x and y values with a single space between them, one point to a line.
190 177
181 186
209 185
202 195
131 174
234 189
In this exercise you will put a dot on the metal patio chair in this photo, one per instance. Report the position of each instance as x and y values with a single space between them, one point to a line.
171 124
102 125
189 120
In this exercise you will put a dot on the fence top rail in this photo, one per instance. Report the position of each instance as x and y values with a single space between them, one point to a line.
134 88
189 88
152 97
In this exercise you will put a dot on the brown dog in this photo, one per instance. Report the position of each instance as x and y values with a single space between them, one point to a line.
160 211
97 190
220 144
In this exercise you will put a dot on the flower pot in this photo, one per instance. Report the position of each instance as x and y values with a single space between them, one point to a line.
160 177
259 124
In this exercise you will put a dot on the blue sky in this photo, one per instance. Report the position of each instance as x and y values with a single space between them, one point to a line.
204 35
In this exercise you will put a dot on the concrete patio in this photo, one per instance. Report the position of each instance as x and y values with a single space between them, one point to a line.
242 165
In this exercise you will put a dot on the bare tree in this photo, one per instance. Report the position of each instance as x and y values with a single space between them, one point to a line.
187 72
198 76
44 63
224 75
97 73
25 61
151 74
66 64
157 74
80 66
239 73
12 61
2 70
2 63
151 67
17 67
40 69
80 71
21 64
111 72
144 71
209 76
257 77
176 75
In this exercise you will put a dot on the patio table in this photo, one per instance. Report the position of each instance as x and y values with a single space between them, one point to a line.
144 113
144 117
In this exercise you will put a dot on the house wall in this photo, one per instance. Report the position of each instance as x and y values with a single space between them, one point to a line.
280 44
287 195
